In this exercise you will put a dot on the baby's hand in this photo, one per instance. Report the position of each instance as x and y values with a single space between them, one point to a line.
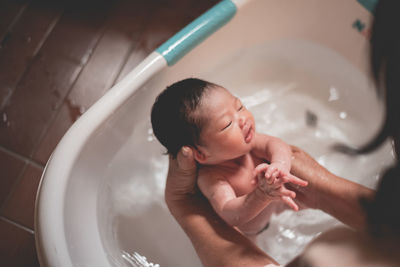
272 179
273 171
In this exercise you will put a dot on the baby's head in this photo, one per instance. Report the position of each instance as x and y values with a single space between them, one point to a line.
205 117
174 118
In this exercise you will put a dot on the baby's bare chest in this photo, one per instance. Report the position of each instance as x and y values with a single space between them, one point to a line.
242 178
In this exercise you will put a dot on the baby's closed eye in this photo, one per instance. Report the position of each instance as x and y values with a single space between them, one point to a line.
227 125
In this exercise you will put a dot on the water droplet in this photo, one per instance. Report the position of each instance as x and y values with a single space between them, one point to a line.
322 160
343 115
150 135
333 94
289 234
5 119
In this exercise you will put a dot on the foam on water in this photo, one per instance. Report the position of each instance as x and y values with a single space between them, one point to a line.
305 94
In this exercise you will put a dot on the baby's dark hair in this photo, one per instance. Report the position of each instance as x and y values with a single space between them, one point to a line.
173 119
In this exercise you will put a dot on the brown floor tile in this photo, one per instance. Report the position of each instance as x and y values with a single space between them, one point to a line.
20 45
170 17
129 18
20 205
35 102
11 168
135 57
163 24
65 118
122 32
101 69
164 21
77 31
17 247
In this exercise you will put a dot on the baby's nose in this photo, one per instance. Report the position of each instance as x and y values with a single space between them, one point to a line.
242 121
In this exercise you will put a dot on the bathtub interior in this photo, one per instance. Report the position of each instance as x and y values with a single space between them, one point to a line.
295 71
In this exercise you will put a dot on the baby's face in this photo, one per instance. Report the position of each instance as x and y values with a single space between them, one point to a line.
229 129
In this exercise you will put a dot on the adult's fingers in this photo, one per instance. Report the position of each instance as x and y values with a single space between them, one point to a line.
185 160
181 178
295 180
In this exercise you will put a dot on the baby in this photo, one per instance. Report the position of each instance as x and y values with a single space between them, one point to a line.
241 172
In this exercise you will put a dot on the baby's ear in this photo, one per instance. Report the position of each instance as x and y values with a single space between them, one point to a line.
199 155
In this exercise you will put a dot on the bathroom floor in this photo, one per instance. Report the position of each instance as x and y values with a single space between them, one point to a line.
56 59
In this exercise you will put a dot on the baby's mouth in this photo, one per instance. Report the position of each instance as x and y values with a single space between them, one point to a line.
248 133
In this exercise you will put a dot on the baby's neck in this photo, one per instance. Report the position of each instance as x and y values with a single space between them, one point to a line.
239 161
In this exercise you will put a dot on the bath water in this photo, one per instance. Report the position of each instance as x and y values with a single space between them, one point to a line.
306 94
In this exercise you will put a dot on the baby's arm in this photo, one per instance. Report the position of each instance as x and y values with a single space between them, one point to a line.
277 152
236 211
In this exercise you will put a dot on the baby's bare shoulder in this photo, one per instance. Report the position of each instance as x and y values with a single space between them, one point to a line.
211 181
212 173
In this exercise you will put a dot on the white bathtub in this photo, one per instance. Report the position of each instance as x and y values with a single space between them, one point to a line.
100 202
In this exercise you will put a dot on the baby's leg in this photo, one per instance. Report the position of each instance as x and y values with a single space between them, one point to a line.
261 221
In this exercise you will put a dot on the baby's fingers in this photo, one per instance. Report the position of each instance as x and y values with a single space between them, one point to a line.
295 180
260 168
290 202
272 178
271 172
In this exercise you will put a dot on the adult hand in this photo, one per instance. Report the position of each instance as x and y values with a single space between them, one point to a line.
325 191
181 179
307 168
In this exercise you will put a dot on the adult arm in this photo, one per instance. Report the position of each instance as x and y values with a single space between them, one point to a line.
330 193
216 243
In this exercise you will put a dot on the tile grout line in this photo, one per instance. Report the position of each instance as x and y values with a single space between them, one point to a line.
14 21
31 59
17 225
13 187
47 34
21 157
11 91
